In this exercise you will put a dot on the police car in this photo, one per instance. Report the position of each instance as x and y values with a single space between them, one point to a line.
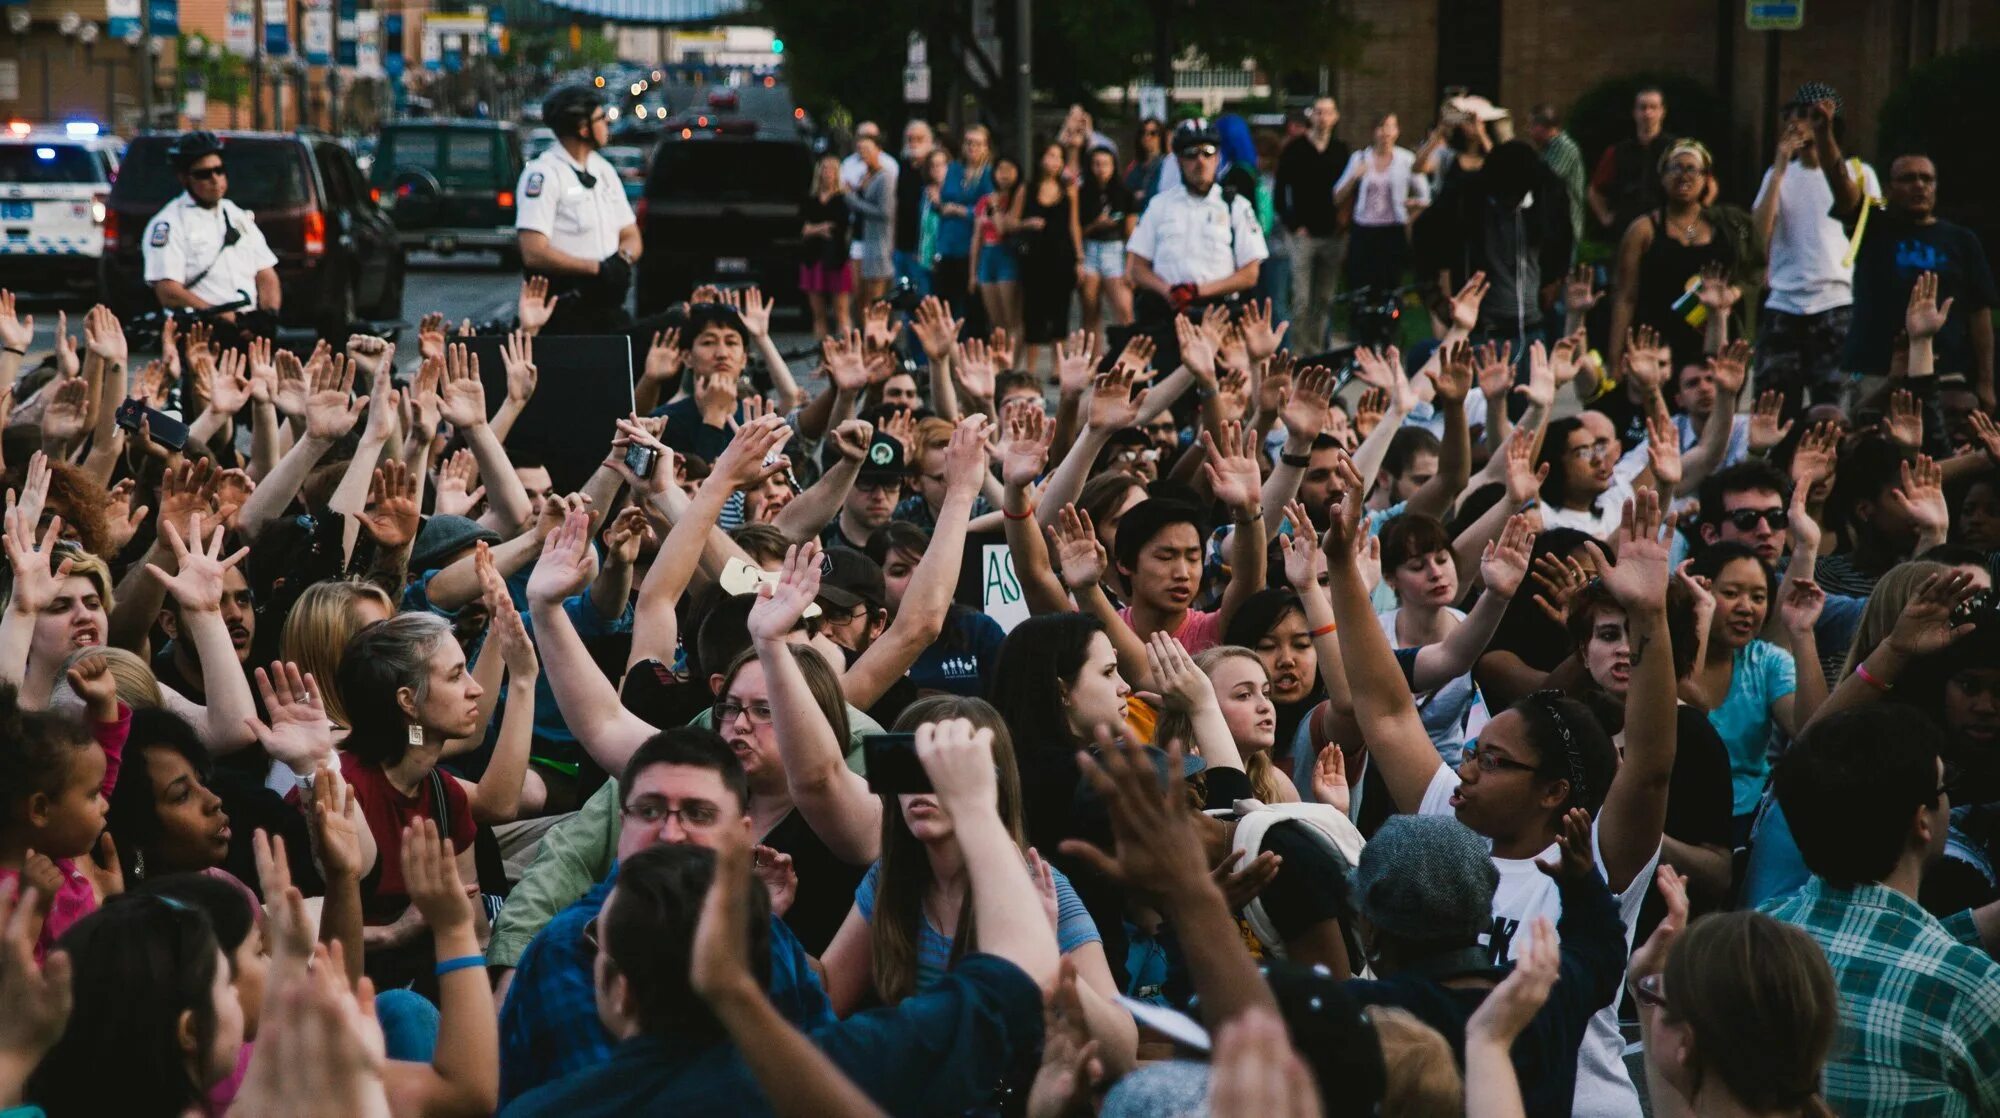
54 182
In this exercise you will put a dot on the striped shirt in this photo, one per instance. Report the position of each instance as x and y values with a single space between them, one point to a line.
1566 161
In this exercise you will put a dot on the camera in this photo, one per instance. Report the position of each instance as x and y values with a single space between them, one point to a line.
904 296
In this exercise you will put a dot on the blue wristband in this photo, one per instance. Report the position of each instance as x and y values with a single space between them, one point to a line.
446 966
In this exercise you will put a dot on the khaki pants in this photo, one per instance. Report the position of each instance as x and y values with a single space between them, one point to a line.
1315 281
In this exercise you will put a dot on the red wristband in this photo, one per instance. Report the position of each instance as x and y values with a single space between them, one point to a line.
1323 630
1023 516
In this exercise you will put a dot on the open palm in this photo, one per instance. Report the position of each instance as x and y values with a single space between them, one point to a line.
779 607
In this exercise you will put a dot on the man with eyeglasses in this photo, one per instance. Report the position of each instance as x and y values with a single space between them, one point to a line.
1195 244
573 221
878 489
202 249
681 788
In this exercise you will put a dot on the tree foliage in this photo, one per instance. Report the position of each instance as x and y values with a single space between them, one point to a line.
1938 109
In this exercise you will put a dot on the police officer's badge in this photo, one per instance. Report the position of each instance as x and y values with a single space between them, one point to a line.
534 184
159 237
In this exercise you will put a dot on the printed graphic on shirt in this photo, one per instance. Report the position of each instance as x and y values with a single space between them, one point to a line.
159 237
534 184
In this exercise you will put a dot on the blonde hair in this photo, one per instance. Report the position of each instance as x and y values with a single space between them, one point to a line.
318 629
83 564
1892 592
933 433
138 687
1422 1079
1270 785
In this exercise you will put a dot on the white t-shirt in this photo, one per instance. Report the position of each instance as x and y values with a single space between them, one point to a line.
1603 1087
1599 522
186 241
1197 240
583 222
1808 245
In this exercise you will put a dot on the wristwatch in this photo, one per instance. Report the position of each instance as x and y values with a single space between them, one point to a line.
1299 460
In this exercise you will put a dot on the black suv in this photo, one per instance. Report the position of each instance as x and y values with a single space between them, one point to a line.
449 184
722 209
338 260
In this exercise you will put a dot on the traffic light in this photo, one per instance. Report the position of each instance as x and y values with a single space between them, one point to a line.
777 46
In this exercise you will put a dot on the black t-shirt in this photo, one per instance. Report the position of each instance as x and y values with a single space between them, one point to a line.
826 884
831 251
1113 200
910 205
1700 801
1894 252
1304 185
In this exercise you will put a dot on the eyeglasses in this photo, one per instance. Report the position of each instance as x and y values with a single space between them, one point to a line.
1491 762
879 485
695 815
1199 151
1599 449
728 710
1686 170
1745 520
1650 991
203 174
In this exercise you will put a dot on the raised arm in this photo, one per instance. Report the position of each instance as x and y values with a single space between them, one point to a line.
497 797
1634 814
806 514
1024 452
1452 378
1922 629
1304 415
1113 404
1186 690
1083 565
1502 566
463 405
937 332
197 587
1397 740
755 311
587 700
464 1074
1232 475
927 598
833 799
518 354
1730 368
1382 370
330 413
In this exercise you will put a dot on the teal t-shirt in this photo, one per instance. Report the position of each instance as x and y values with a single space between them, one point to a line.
1762 674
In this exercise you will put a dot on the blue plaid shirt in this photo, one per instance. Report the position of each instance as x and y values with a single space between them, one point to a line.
1920 1003
549 1027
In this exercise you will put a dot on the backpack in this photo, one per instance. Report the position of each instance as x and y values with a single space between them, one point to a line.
1335 832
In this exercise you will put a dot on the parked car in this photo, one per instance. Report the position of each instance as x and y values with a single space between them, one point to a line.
449 184
538 140
338 260
721 209
631 164
53 188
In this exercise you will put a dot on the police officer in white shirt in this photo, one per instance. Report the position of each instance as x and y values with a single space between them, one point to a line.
1195 243
204 250
573 221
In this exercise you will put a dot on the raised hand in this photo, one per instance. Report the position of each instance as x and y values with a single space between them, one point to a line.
719 963
197 582
1304 413
1813 459
1651 957
1496 367
1646 360
1504 563
1157 852
1075 360
1451 374
1233 352
1925 625
1988 435
1718 294
1113 403
104 335
1465 304
567 564
1305 563
1259 335
1559 577
297 734
1369 409
1078 550
291 389
1800 604
15 332
1329 778
973 364
663 357
90 677
958 757
335 826
518 354
1639 579
1505 1013
1920 497
845 359
1197 350
965 457
1231 402
1347 520
462 398
1183 686
851 439
1580 289
536 305
627 534
1524 478
121 517
391 514
1071 1068
1765 430
755 311
1663 443
1001 347
935 328
1024 447
1905 421
430 876
780 605
1136 358
458 488
67 413
1731 368
876 328
742 463
1925 317
331 409
1231 469
1565 358
431 335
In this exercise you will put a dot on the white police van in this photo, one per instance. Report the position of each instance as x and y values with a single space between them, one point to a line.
54 182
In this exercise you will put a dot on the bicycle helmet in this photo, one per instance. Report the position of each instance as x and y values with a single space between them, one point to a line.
569 107
192 147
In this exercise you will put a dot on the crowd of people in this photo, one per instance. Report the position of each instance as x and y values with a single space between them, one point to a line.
1167 727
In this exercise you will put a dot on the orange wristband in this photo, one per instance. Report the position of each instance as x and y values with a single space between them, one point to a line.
1323 630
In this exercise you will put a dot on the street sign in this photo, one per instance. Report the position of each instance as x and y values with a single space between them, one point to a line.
277 40
368 44
1774 15
121 19
316 33
241 37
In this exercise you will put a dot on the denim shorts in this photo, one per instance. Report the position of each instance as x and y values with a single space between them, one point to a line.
998 264
1104 258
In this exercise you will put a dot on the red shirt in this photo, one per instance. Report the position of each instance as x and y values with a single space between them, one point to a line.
388 811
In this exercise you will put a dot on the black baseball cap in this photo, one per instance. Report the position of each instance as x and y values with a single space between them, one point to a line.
848 579
885 461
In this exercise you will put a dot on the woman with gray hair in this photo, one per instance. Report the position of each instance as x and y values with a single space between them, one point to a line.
407 691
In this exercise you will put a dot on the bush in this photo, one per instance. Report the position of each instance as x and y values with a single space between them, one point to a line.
1939 109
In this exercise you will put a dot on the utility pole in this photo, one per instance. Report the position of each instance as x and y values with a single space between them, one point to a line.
1024 85
145 49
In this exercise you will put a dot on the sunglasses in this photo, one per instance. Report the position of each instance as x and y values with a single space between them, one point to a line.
1200 151
1745 520
206 173
1650 991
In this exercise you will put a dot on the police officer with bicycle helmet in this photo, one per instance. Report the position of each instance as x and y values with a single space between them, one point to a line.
572 219
1196 242
203 250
